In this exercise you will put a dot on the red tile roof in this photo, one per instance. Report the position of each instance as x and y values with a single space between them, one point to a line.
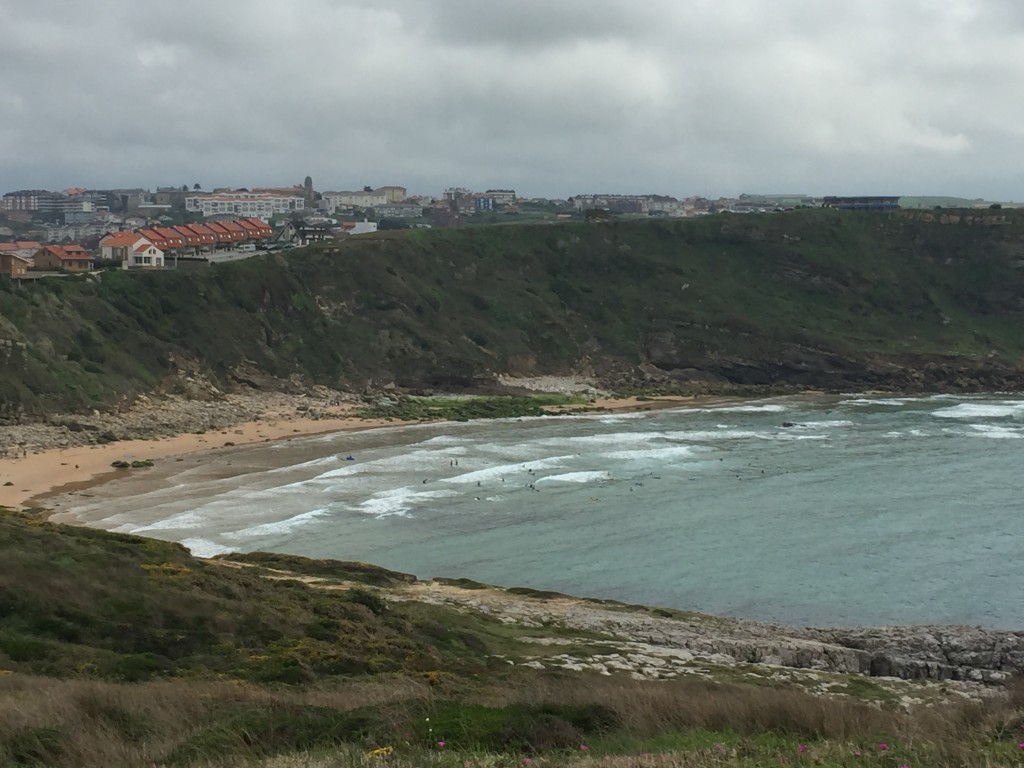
238 232
120 239
190 237
222 232
72 257
173 238
205 234
155 237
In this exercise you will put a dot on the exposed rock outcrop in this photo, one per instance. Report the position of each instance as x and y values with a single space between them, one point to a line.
924 653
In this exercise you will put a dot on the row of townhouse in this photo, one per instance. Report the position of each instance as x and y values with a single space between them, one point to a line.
147 247
142 248
197 239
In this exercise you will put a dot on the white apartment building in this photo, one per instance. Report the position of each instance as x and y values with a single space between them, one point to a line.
261 205
355 199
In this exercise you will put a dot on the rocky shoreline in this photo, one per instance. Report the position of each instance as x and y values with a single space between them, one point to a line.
202 407
651 643
659 644
157 417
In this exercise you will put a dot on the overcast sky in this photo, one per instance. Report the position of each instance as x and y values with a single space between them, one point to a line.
550 97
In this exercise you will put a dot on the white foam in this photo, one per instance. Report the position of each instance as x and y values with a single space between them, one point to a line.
205 547
996 433
280 526
183 520
501 470
892 401
725 434
1003 410
421 459
752 408
443 440
349 469
836 424
576 477
607 438
671 452
621 417
399 501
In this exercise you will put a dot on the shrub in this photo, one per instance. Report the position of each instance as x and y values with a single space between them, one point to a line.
276 729
32 746
377 604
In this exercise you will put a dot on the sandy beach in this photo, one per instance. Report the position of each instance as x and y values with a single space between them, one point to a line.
39 475
28 480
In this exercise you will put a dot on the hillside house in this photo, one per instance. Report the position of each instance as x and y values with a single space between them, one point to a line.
207 237
119 246
24 248
68 258
358 227
145 256
302 233
13 265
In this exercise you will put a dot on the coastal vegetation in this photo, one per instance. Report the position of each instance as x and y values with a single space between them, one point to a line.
118 650
812 298
406 408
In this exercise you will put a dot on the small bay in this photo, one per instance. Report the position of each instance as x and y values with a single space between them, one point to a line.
805 510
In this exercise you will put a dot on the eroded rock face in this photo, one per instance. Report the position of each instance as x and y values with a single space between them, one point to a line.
929 653
935 653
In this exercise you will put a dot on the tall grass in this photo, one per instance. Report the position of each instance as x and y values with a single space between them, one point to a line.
90 724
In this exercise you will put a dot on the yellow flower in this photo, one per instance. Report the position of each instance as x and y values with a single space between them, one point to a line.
380 752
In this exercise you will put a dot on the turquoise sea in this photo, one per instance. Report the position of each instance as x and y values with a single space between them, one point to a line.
813 511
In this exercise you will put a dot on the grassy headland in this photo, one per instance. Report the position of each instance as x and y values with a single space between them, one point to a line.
117 650
827 299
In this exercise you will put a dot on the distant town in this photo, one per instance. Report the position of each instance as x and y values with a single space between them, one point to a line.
48 233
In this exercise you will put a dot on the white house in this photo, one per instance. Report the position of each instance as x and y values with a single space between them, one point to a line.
358 227
120 246
145 256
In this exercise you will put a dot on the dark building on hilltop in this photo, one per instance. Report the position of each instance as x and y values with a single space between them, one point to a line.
862 203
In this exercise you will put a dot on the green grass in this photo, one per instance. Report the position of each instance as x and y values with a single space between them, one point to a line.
76 601
120 650
811 298
341 570
406 408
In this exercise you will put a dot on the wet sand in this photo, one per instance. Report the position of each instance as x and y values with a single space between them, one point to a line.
38 476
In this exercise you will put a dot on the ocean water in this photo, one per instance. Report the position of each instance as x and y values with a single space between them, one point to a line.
812 511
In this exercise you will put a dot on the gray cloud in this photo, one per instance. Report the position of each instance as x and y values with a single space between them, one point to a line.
700 97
